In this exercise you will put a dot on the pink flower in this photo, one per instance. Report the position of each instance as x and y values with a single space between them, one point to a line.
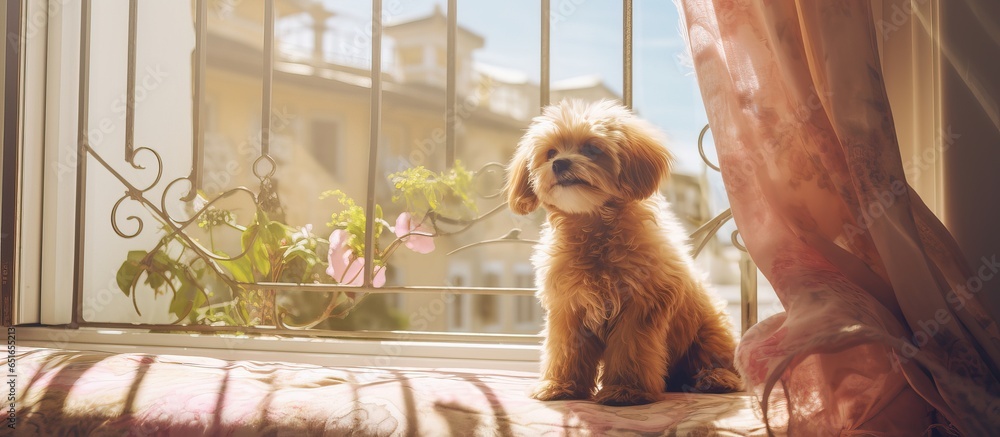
416 243
337 254
345 267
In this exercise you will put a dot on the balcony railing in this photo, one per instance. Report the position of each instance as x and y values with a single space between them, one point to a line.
160 196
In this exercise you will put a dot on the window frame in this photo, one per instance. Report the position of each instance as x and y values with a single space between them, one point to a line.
909 54
51 69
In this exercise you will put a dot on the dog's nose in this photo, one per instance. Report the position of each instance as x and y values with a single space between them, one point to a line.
560 165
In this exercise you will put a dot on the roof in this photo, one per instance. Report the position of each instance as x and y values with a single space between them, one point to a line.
437 19
579 82
501 74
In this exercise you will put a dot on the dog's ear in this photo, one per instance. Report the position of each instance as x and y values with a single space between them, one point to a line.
644 161
521 198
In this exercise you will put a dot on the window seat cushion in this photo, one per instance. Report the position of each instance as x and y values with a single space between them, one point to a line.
62 392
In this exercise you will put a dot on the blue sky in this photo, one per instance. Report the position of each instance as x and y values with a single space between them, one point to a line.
586 40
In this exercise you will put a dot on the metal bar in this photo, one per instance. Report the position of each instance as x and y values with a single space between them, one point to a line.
83 121
627 52
430 336
284 286
198 113
450 90
701 236
748 292
10 196
543 82
268 77
133 21
748 285
375 122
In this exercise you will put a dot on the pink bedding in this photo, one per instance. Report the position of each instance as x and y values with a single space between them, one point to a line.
63 392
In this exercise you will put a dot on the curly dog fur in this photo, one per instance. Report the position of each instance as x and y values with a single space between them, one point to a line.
626 314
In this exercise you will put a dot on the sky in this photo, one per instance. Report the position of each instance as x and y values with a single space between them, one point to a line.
586 39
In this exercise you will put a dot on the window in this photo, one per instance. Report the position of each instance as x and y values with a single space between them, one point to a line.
411 56
325 144
279 178
459 307
487 308
527 310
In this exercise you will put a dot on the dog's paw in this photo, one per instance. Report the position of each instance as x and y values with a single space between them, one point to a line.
549 390
717 380
619 395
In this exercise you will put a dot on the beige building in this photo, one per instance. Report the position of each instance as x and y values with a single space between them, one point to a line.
320 136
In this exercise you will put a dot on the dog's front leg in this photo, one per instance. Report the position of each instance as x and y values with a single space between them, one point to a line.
635 361
569 358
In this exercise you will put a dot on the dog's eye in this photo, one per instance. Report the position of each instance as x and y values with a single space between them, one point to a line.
550 154
591 151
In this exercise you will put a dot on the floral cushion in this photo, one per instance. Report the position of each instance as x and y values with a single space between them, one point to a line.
61 392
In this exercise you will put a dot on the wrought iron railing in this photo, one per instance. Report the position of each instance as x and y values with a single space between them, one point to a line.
185 189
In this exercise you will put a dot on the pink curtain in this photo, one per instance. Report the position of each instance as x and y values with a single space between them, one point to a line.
883 332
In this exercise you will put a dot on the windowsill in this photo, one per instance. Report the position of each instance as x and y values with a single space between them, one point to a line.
317 351
119 393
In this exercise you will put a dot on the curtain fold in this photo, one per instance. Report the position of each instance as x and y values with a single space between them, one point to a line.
883 331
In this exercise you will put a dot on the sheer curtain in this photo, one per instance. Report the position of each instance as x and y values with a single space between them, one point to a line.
883 331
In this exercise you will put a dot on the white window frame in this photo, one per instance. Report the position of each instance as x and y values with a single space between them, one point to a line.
908 48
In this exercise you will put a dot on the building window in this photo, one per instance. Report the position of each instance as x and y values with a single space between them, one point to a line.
527 310
487 308
324 143
411 56
457 313
459 305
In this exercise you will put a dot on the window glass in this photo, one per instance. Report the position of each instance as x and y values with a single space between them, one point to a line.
224 227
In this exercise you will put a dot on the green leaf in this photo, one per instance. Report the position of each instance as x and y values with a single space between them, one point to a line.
199 301
180 303
188 297
239 268
275 232
447 193
154 280
161 262
248 236
136 256
130 268
307 272
126 274
261 217
260 257
299 250
257 252
378 222
243 313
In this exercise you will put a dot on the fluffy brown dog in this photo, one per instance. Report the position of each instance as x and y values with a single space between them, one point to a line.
614 272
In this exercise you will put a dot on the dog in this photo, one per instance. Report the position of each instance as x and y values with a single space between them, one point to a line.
624 306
